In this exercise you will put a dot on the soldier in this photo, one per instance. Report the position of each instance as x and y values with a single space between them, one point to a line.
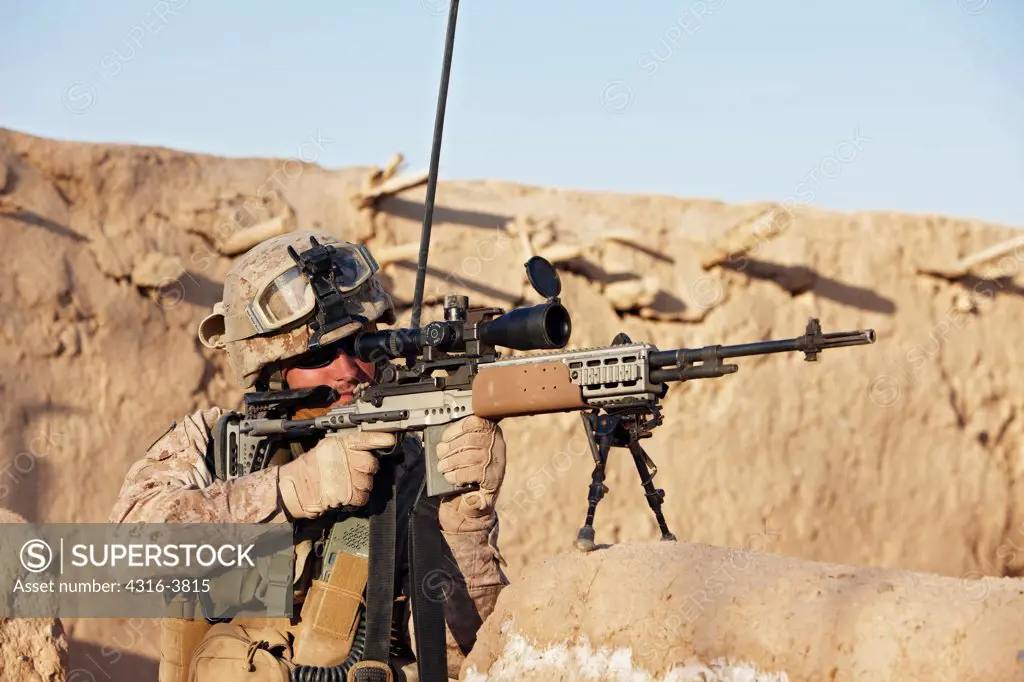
262 324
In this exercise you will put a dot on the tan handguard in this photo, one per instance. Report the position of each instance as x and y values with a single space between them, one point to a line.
330 613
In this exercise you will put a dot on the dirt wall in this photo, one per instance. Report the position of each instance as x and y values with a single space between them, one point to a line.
902 454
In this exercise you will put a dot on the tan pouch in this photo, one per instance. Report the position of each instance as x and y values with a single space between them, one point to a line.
230 652
179 638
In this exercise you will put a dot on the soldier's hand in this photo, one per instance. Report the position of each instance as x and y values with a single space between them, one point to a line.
472 450
338 471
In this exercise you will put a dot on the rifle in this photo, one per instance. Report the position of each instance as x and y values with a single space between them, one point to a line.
458 371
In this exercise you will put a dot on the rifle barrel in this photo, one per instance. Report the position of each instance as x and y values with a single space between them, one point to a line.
812 342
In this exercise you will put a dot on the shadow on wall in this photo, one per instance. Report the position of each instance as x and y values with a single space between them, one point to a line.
990 287
797 279
37 220
414 210
28 459
191 287
459 282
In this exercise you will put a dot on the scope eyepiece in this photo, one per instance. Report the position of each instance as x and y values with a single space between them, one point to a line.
388 343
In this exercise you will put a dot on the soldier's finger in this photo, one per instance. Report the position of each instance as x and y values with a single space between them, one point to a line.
470 457
471 424
370 440
476 439
479 500
362 482
462 476
459 452
363 462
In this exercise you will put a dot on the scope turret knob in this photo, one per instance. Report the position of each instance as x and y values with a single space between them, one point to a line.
437 333
455 307
387 374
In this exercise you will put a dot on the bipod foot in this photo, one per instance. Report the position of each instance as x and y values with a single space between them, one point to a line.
668 537
585 539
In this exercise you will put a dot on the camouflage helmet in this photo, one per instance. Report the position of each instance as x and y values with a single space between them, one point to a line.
266 280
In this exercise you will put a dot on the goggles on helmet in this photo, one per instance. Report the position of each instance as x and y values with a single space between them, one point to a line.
318 282
289 296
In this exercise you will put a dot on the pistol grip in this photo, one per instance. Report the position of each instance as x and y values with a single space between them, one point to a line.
436 482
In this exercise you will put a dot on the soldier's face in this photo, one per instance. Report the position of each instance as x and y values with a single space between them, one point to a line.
342 374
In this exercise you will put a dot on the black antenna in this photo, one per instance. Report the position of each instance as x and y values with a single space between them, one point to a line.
435 158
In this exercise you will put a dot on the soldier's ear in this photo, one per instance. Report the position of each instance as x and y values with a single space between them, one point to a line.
211 329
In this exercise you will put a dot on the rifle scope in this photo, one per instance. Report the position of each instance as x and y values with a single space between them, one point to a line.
545 326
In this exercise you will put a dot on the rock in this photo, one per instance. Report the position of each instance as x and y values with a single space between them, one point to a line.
632 293
243 240
392 185
156 269
31 649
69 340
749 235
654 610
559 253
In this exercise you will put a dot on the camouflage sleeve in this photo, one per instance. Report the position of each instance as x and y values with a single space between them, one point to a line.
475 582
172 483
479 561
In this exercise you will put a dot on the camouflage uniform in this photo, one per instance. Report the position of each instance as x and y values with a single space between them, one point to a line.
174 484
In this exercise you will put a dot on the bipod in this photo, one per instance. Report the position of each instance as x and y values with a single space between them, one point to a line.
621 426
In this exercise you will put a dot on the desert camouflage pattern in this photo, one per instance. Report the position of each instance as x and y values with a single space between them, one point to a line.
253 270
172 484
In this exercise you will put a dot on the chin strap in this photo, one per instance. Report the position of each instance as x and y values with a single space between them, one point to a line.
274 378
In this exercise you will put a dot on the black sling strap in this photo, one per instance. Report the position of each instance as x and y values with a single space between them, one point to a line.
380 583
426 551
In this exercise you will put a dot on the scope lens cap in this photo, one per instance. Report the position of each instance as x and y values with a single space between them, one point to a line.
543 277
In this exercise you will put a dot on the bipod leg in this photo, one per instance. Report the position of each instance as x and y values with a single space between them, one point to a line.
599 436
655 496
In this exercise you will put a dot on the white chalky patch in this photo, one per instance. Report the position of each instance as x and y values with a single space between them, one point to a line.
581 663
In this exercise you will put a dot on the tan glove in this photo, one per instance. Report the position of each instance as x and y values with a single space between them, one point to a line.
472 450
337 471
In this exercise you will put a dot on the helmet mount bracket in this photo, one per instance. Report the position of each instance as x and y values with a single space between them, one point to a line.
317 264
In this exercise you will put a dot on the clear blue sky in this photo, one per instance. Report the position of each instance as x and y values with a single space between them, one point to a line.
740 100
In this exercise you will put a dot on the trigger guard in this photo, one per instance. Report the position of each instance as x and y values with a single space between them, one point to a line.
396 449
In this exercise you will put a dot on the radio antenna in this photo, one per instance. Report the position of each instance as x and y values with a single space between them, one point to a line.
435 157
